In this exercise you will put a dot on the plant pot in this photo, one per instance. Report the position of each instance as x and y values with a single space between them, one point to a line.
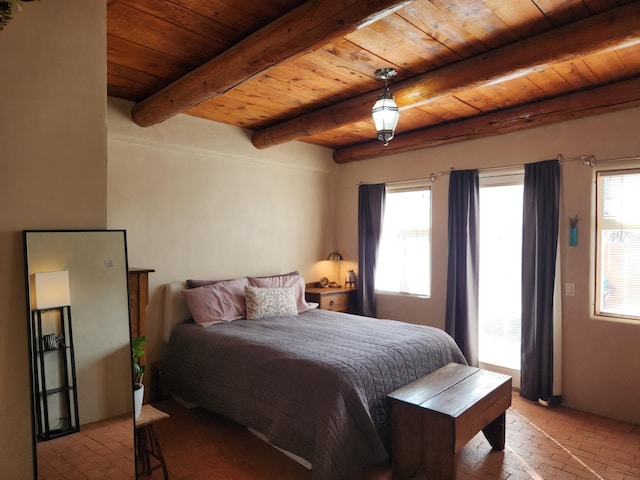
138 397
573 237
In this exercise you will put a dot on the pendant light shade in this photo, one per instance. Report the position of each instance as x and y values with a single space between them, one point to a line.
385 111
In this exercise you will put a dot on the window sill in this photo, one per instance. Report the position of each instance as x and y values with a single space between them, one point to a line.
400 294
616 319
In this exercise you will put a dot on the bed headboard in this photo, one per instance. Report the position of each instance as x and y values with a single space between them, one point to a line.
175 308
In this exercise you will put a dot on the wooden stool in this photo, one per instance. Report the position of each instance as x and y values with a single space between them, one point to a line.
147 444
435 416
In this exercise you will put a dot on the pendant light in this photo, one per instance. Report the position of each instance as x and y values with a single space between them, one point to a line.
385 111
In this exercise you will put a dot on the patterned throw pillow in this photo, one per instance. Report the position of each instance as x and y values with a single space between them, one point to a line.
292 279
267 302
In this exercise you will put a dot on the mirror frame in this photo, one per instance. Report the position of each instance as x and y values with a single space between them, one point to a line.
30 332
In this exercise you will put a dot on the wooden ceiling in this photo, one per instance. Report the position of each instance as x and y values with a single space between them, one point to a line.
294 70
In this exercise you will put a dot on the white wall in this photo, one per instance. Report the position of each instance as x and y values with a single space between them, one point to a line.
53 164
199 201
601 358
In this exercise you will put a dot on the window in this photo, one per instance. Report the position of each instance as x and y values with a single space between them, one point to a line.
404 255
618 244
500 277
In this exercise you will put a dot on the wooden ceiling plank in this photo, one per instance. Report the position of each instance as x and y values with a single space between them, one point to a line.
218 33
142 28
236 15
128 82
119 83
612 97
416 53
561 12
476 17
328 78
140 58
270 92
439 26
361 62
617 28
309 26
230 110
597 6
524 18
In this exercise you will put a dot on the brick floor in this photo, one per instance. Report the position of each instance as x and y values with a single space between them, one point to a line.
542 444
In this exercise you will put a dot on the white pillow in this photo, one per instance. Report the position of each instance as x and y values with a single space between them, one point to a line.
268 302
293 280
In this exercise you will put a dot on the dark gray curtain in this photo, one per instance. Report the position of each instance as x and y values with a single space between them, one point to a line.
461 320
370 213
539 248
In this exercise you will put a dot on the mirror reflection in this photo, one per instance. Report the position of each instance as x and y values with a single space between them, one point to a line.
80 349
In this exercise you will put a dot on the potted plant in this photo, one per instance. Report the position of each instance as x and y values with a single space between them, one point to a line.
7 10
137 352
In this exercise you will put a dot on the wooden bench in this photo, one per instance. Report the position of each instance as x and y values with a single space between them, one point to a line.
435 416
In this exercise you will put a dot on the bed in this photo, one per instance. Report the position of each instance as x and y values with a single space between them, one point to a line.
313 383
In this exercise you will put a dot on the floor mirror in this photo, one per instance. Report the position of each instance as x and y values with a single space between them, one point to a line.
80 351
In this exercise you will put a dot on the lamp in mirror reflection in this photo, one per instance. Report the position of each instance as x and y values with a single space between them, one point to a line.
336 257
385 111
51 289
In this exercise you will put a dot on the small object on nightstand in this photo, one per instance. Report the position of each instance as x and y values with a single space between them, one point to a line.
350 280
324 282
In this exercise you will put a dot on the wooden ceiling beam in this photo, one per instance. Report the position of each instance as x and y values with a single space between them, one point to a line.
611 30
612 97
305 28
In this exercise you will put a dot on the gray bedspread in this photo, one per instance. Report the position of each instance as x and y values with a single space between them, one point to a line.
314 384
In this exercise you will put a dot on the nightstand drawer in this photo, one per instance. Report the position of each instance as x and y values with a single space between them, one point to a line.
338 302
336 299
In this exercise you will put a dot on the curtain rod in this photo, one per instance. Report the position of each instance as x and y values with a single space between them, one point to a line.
560 158
431 178
587 161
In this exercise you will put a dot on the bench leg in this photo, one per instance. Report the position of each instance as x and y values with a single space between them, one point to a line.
495 431
406 434
439 448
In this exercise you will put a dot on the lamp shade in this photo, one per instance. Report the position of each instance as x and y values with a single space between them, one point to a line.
51 289
385 116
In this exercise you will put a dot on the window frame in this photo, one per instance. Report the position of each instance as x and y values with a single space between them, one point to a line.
413 186
597 264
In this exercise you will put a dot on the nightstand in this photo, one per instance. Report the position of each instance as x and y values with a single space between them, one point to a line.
335 299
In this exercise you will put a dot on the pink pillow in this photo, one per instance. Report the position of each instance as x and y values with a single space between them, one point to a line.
216 303
282 281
